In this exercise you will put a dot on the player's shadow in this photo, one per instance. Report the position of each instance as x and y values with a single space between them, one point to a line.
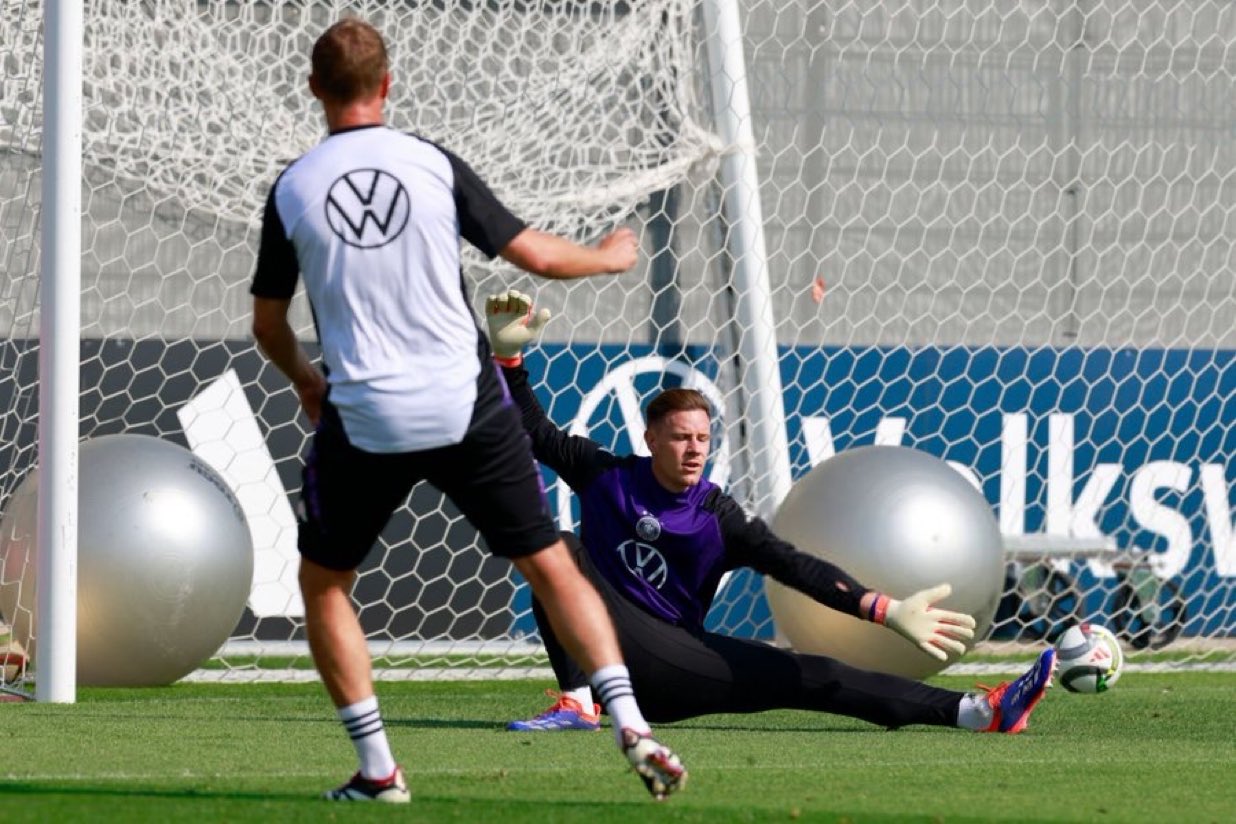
801 728
441 723
411 723
13 788
432 806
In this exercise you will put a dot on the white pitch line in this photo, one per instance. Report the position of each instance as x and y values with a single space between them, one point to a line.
1003 667
304 676
397 674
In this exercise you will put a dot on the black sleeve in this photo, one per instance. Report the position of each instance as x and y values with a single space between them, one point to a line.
483 220
750 543
576 460
277 268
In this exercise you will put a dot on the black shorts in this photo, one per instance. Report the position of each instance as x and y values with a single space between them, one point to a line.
350 494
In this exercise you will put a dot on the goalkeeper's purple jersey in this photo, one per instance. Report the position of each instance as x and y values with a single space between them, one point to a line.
663 550
667 551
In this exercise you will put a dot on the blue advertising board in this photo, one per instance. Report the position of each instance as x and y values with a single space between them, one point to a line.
1136 445
1132 445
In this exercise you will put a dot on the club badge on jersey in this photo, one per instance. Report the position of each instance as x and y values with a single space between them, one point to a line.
648 528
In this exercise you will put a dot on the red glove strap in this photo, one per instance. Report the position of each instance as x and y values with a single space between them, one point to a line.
511 362
879 609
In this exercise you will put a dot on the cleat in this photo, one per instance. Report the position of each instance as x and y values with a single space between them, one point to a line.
393 790
1012 702
661 770
565 714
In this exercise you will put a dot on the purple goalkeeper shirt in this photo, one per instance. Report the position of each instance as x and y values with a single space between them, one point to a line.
661 549
667 551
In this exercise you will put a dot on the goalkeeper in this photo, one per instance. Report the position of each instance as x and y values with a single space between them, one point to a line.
657 538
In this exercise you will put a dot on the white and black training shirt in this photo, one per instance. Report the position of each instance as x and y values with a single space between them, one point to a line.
372 217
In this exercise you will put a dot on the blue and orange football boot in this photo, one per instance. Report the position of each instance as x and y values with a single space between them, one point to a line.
565 714
1013 701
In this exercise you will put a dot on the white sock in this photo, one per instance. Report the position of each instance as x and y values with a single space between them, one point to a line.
364 725
612 685
974 713
584 696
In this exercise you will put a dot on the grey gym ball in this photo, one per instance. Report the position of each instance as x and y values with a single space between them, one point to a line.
165 561
898 520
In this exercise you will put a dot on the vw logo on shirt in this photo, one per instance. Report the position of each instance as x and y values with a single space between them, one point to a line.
645 562
367 208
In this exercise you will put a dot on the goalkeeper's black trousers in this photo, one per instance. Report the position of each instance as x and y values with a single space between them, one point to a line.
679 674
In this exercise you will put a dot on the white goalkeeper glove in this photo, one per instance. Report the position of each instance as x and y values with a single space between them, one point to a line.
936 632
512 325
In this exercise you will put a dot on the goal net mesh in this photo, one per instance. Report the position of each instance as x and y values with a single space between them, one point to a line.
1000 231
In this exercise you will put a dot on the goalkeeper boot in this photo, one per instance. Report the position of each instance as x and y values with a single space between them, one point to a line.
393 790
565 714
1013 701
661 770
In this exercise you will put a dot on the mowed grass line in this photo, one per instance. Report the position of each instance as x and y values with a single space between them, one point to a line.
1157 748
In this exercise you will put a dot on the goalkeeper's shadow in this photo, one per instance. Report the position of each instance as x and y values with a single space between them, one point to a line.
441 723
685 726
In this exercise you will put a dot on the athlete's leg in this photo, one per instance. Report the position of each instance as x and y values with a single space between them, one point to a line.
336 639
736 675
348 496
575 612
567 673
574 707
495 482
680 674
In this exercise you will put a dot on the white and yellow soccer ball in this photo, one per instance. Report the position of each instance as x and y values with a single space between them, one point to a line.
1090 658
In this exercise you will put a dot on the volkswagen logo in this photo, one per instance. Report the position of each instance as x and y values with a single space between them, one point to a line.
645 562
367 208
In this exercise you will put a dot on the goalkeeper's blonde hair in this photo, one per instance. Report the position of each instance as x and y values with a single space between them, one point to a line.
676 400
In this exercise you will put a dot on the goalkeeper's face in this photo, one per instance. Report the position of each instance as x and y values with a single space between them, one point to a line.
679 444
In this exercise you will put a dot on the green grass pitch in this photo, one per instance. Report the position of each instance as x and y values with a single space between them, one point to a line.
1157 748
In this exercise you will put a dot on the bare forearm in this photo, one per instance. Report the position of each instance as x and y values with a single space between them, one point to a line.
564 260
278 342
557 258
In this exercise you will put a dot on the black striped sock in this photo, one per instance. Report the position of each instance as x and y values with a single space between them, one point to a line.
363 722
366 724
612 687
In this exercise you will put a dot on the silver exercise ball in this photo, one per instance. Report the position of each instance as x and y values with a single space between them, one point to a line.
899 521
165 561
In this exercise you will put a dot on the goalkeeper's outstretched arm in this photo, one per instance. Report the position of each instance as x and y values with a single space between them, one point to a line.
512 325
938 632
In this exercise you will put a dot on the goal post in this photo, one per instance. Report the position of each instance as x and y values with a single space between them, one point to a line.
60 302
744 215
1000 231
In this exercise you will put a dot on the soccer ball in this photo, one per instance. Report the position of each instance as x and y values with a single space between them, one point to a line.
1090 658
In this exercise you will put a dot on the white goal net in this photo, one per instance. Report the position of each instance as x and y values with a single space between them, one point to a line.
1000 231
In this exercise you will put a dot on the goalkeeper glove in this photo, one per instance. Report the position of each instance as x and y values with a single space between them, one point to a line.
512 325
936 632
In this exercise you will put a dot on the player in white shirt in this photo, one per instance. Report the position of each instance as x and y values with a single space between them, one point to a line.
371 221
